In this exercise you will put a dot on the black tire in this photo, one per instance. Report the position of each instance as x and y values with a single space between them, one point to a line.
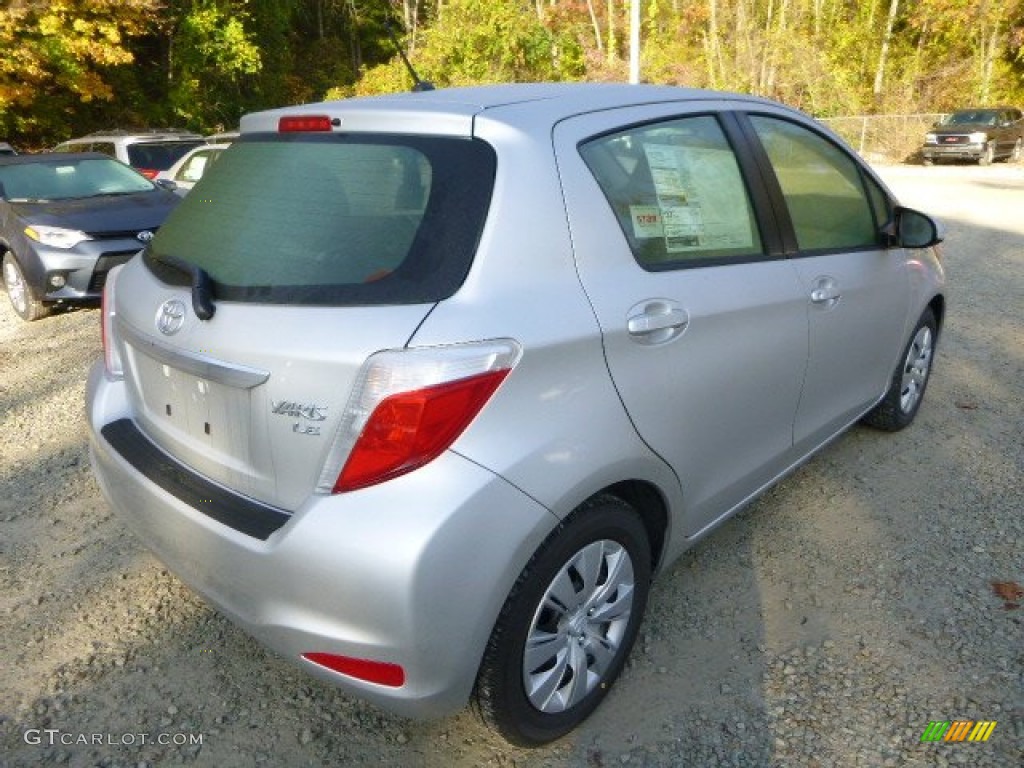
910 379
989 155
1017 153
580 618
20 292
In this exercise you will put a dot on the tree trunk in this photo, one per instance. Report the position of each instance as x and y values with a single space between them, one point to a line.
894 7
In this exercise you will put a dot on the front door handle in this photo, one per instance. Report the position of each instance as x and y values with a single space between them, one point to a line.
656 321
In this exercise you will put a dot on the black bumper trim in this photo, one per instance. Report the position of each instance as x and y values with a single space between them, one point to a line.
231 509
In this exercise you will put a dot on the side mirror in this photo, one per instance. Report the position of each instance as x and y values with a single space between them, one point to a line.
167 184
913 229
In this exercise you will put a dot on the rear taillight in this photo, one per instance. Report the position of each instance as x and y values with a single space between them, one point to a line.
111 356
149 173
408 406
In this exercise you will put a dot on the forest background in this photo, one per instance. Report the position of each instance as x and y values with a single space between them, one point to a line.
68 67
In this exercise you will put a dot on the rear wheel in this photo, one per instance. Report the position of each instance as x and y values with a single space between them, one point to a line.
906 389
20 293
568 625
1018 151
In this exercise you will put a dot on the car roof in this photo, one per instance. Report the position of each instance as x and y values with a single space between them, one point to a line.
456 107
141 136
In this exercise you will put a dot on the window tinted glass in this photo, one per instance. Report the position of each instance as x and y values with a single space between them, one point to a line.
677 192
159 155
822 185
334 220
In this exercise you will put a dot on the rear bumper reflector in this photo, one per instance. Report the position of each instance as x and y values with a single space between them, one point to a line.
245 515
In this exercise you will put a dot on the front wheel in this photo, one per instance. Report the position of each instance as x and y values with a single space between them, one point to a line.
906 389
988 155
22 297
1018 151
568 625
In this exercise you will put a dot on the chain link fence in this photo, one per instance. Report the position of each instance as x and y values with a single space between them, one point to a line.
897 138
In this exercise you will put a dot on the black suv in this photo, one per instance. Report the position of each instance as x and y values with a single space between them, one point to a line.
983 135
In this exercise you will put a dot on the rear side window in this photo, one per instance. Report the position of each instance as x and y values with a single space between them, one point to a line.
823 187
336 220
677 192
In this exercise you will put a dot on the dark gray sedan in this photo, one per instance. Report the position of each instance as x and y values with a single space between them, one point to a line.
66 220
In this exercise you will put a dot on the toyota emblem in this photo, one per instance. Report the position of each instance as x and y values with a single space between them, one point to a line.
144 236
170 317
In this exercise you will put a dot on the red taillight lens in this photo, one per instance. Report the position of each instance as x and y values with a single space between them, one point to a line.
380 672
410 429
303 124
149 173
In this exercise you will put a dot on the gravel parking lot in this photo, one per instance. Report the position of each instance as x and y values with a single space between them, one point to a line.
827 625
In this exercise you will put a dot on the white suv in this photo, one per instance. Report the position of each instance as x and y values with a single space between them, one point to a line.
148 153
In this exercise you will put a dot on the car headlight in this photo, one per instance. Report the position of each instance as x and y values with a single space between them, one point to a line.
58 237
931 138
978 137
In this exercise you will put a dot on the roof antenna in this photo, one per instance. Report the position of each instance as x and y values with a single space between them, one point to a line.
417 84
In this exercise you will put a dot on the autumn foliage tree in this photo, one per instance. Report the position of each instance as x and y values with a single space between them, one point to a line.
70 66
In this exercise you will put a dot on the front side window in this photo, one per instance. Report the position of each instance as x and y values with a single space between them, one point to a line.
822 185
333 220
677 192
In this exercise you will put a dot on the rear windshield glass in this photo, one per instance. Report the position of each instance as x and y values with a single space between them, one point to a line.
159 155
351 219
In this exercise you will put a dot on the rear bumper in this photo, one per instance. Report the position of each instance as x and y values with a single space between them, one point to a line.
364 575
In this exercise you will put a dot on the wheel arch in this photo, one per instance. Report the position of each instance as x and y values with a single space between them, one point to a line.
938 307
652 507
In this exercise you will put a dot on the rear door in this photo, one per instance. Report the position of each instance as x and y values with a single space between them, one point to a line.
704 322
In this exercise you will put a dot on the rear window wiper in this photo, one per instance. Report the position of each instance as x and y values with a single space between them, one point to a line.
202 284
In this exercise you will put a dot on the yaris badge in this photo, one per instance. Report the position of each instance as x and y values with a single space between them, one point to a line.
170 317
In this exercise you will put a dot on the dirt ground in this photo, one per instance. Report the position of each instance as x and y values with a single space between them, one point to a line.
826 625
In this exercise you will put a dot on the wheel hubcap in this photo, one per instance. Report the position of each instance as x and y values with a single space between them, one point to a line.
579 626
915 369
15 287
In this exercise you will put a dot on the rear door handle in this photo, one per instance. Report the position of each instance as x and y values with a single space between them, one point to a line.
656 321
825 292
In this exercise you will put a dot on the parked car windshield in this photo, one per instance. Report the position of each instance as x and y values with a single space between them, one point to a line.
63 178
315 219
973 117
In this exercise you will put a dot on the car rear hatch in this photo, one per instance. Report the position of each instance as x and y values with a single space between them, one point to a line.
241 331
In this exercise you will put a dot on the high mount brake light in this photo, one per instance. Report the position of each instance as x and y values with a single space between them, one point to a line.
408 406
304 124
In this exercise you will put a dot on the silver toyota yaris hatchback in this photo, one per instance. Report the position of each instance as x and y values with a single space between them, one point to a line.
421 390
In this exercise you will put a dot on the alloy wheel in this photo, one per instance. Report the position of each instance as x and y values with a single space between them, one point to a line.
578 627
16 288
916 368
